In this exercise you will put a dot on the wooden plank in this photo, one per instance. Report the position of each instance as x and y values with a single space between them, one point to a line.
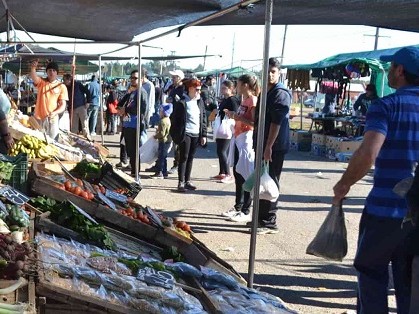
209 305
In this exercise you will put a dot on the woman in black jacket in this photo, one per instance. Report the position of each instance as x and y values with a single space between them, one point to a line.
188 129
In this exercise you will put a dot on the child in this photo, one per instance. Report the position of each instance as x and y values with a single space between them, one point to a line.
111 112
162 134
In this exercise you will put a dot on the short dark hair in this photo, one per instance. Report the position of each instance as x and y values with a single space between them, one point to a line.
209 78
273 62
134 71
229 84
52 65
67 76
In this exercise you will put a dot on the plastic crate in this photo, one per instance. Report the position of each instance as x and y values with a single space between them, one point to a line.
19 177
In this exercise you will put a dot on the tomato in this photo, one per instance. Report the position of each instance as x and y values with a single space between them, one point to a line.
180 224
186 228
146 220
130 211
67 185
62 187
85 195
79 182
90 195
77 190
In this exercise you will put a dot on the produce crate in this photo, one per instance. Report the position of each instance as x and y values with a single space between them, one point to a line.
19 177
111 180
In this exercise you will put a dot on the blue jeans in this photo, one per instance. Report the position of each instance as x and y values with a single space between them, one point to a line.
162 159
92 113
381 241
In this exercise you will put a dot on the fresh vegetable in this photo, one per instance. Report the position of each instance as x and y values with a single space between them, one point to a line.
86 169
6 169
65 214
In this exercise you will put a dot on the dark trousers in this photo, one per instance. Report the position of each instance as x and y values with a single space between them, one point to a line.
222 152
131 135
176 153
162 159
243 198
111 122
381 241
187 151
123 157
414 301
267 209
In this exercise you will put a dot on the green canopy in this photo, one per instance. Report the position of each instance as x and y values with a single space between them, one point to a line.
233 72
372 58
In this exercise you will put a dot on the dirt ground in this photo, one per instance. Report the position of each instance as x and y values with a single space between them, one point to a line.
306 283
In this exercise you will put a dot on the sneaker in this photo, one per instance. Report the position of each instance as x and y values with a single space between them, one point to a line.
157 175
227 179
181 187
190 186
93 134
151 169
241 217
218 177
121 165
231 212
127 167
172 170
265 230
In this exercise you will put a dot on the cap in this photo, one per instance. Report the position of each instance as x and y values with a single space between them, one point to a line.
408 57
167 109
52 65
177 73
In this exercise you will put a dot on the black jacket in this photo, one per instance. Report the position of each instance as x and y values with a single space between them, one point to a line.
278 103
178 120
413 204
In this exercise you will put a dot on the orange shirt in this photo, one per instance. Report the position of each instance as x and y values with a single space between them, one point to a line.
48 96
245 110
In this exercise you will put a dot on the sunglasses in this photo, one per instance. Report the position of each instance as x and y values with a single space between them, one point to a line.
198 89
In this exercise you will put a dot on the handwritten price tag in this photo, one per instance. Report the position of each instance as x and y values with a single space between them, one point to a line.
106 200
13 195
116 196
154 277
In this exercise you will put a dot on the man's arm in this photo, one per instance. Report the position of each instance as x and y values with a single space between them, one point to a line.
273 134
359 164
35 78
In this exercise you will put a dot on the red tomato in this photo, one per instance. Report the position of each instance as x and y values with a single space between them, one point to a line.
186 228
77 190
67 185
85 195
90 195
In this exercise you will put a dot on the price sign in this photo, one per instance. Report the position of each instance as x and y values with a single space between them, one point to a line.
81 211
106 200
154 277
116 196
13 195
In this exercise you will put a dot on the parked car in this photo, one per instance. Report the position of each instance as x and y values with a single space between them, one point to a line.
309 103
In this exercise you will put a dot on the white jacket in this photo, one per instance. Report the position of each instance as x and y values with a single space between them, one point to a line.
246 163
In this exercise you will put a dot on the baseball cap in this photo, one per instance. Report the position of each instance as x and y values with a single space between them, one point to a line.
177 73
408 57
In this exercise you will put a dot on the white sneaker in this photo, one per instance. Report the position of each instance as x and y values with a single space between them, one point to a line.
241 217
93 134
227 180
231 212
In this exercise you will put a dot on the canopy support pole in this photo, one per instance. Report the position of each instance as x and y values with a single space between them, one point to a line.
102 124
137 138
301 109
260 137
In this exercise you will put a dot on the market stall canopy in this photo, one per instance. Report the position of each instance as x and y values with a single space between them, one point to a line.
231 72
119 21
20 57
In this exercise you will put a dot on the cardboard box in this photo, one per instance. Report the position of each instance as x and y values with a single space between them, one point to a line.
299 136
319 139
347 146
318 150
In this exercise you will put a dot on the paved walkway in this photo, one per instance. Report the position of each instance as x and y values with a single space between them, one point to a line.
308 284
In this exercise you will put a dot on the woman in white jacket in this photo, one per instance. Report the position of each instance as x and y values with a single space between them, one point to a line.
241 150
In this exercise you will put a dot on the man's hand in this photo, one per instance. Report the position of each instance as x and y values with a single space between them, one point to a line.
267 154
9 142
340 190
52 115
121 111
34 63
203 141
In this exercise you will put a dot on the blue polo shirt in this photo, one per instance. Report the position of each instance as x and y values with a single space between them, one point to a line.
397 117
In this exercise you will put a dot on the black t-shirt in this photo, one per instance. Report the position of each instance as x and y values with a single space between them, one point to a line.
231 103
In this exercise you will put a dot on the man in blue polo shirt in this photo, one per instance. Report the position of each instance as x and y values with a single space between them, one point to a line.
391 140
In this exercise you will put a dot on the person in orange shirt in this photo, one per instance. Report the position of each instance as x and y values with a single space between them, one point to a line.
51 99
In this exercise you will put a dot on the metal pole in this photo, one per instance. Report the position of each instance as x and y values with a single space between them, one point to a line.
283 44
377 35
260 137
100 99
137 138
301 110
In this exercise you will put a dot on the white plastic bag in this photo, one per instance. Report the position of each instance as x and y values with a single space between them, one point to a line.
149 151
64 122
215 126
224 130
268 189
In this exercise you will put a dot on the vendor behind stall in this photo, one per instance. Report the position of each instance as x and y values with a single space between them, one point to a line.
51 99
364 100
